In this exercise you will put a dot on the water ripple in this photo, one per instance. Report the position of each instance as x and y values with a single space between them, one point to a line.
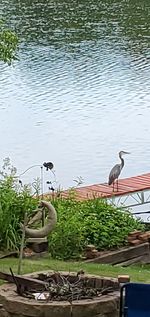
80 90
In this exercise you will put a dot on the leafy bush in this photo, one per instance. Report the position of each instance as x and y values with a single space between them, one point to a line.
8 44
67 239
106 226
14 202
89 222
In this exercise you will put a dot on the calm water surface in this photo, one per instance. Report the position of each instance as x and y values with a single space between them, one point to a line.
80 91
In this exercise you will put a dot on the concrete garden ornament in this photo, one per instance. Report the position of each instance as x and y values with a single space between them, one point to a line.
51 221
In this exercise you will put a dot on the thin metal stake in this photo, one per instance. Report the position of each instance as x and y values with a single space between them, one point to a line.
42 196
22 244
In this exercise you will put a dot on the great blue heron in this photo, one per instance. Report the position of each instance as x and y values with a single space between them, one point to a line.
116 170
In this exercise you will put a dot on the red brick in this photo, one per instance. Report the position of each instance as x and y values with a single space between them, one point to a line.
123 278
135 242
144 236
135 234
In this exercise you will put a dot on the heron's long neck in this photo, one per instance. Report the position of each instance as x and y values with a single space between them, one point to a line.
122 162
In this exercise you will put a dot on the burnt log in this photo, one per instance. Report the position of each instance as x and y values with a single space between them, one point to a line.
24 283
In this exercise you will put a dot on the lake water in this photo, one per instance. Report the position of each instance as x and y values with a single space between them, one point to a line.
80 91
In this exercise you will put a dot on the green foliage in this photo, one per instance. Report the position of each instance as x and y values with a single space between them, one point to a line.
14 201
88 222
106 226
8 45
79 223
67 240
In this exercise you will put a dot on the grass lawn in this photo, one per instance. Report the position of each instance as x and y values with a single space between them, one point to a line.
137 273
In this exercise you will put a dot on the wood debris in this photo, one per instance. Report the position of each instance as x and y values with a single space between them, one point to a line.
56 287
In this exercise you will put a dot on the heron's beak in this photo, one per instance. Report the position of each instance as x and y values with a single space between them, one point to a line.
126 152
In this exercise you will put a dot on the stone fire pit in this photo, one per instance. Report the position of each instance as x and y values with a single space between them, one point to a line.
13 305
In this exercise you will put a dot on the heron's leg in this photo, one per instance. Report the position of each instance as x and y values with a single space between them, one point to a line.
117 184
113 186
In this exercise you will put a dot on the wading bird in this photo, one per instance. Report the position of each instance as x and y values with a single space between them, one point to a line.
116 170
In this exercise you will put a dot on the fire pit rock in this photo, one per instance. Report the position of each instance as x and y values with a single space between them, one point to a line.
13 305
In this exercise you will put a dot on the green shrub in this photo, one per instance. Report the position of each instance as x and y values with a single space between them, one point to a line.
106 226
8 44
89 222
14 202
67 240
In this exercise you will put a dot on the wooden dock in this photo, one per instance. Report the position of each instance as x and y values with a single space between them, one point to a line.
125 186
132 191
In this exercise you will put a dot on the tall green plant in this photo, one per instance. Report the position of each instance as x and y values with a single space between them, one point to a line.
14 201
67 239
